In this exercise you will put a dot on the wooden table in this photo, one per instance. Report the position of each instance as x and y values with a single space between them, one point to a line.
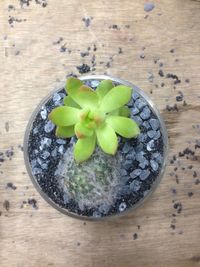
129 43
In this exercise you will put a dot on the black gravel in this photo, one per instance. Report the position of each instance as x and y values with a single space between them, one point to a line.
84 68
33 203
11 186
161 73
6 205
142 157
148 7
135 236
87 21
174 77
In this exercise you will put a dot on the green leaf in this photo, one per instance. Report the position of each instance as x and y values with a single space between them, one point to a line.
114 112
103 88
116 98
81 130
107 139
64 116
97 116
86 97
84 148
123 126
124 111
72 85
68 101
65 131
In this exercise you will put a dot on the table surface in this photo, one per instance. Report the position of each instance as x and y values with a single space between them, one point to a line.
40 44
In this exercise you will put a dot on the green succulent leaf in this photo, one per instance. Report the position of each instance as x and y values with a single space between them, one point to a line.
64 116
124 111
116 98
97 116
72 86
84 148
65 131
85 97
114 112
107 139
82 131
125 127
103 88
68 101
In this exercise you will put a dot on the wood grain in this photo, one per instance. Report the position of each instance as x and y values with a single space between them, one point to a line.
32 65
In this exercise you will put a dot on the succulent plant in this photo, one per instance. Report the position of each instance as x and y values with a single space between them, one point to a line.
94 117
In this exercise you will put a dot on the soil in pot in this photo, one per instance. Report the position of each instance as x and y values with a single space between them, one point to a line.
104 185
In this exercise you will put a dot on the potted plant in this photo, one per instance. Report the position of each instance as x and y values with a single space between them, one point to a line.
96 147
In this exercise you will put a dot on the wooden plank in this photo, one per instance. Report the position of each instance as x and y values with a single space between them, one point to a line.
32 66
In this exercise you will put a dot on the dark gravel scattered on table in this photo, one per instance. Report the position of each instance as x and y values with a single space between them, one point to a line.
140 167
11 186
148 7
6 205
84 68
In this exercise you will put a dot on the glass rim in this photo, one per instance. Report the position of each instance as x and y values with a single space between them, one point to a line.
155 183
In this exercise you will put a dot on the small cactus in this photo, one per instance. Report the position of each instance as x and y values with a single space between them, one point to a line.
95 182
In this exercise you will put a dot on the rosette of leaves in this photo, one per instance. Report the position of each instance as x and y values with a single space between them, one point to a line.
95 117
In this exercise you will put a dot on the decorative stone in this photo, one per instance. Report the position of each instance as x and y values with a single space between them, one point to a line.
36 170
137 119
142 137
94 83
157 156
151 133
65 199
146 125
139 148
139 103
126 148
135 111
56 98
61 149
123 172
49 126
131 155
54 153
154 124
151 145
45 155
127 164
154 165
104 208
135 96
124 190
140 157
135 173
43 114
61 141
145 114
144 164
35 130
135 185
144 174
157 135
33 163
45 142
122 206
